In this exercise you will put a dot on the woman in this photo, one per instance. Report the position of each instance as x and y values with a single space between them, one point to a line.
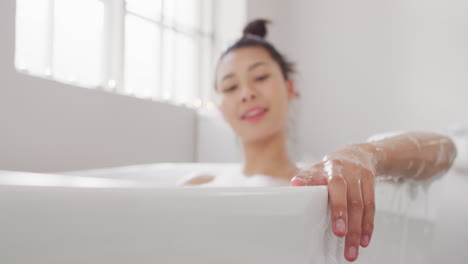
254 83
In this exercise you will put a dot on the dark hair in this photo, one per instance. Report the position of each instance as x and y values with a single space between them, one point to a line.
254 36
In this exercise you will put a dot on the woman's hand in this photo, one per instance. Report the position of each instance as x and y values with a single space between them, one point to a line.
350 175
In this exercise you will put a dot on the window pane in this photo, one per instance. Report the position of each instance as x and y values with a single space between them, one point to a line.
31 34
207 16
142 40
188 13
147 8
185 13
168 73
186 83
77 45
207 70
169 11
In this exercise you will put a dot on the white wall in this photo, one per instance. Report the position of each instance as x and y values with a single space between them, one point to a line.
48 126
367 67
216 142
371 66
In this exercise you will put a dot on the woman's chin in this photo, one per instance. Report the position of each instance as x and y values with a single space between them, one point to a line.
259 136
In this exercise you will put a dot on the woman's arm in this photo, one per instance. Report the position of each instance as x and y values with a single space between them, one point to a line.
350 173
414 155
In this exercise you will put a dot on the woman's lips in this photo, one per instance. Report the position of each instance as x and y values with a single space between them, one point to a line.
254 114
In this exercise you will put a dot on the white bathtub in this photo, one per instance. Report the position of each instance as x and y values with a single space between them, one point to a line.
136 215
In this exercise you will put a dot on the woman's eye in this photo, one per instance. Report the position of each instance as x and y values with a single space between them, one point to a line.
262 78
229 88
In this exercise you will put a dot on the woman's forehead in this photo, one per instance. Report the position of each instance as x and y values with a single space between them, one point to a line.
243 58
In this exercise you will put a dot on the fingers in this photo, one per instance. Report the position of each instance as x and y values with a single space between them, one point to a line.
351 197
355 211
337 196
368 197
337 191
310 177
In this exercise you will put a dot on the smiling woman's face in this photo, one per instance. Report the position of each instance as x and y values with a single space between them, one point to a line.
254 93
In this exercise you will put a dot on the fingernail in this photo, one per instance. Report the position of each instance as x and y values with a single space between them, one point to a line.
298 181
340 226
365 241
352 252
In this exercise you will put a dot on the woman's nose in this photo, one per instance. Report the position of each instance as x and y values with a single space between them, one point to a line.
248 95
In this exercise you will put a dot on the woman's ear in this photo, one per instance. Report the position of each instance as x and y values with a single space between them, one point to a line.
291 89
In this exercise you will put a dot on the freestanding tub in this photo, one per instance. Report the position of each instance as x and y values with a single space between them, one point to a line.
136 214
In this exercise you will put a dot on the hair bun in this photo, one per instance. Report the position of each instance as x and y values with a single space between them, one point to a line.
257 28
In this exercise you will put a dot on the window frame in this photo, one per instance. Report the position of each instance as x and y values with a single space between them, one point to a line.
112 77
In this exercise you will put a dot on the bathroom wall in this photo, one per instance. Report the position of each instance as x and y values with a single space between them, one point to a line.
49 126
366 67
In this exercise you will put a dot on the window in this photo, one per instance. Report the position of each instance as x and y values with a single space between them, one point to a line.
53 39
151 49
167 45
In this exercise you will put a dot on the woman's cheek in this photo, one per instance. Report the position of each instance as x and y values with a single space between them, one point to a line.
228 110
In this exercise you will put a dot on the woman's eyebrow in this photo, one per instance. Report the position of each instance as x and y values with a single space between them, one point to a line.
255 65
251 67
227 76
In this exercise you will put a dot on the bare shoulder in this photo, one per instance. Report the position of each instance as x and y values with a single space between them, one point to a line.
197 179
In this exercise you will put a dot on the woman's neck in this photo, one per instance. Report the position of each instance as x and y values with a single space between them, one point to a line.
269 157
